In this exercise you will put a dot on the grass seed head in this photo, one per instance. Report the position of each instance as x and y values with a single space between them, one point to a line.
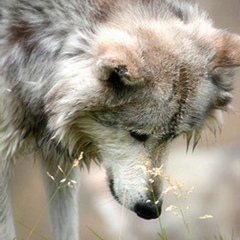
206 217
51 176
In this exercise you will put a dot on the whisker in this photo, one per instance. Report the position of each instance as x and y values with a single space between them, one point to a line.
197 137
188 138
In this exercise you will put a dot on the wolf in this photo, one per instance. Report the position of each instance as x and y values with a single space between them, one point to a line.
112 81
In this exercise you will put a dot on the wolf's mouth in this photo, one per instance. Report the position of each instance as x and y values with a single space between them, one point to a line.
111 187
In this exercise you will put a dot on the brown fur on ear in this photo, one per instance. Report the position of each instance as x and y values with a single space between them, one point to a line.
227 47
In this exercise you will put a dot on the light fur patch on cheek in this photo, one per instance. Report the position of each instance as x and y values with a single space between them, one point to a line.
129 164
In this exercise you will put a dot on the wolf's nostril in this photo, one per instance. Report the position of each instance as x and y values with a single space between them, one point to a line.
148 211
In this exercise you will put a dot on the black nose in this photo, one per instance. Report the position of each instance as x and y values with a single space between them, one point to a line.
148 210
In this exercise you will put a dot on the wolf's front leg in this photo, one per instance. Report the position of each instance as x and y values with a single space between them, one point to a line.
62 186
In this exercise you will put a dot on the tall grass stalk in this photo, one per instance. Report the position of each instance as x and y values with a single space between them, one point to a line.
61 185
163 235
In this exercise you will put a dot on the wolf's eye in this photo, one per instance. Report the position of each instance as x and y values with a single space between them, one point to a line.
139 137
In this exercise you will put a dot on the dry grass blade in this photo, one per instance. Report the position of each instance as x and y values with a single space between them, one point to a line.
95 234
35 232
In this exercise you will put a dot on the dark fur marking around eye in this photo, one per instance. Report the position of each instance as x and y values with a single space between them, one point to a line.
139 137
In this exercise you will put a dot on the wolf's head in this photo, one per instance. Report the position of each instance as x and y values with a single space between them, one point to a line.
138 86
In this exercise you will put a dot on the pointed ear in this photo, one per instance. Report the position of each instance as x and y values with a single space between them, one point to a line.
227 47
106 68
120 60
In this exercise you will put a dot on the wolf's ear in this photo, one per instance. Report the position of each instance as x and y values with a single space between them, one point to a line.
127 73
123 62
227 47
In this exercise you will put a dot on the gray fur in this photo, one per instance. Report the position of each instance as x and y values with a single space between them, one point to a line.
81 75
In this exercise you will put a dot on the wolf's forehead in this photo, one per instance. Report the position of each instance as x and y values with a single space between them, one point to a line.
167 64
169 46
